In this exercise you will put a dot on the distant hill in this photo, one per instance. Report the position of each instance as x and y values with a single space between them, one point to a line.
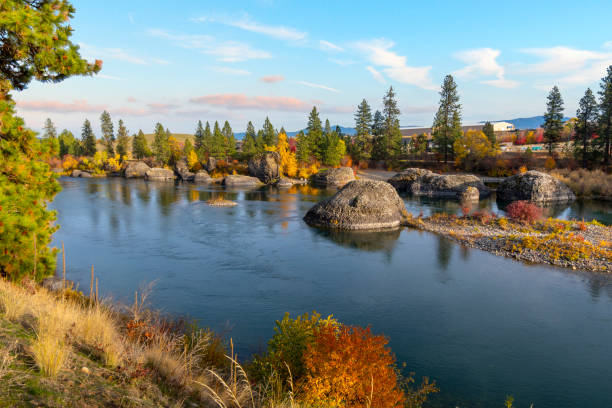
525 123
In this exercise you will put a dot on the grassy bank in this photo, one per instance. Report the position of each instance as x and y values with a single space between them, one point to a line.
570 244
65 349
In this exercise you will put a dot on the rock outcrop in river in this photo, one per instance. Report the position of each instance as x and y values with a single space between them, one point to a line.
80 173
202 177
241 181
182 171
159 174
534 186
334 177
360 205
136 169
421 182
265 166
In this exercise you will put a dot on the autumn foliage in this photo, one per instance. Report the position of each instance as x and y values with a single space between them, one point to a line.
524 211
350 367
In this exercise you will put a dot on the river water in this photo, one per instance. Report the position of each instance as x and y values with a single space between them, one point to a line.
482 326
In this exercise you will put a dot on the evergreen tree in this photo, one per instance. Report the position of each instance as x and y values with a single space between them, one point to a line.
270 137
259 141
68 144
334 150
605 115
88 140
447 122
187 147
585 126
108 135
50 131
198 137
123 140
34 43
489 132
304 151
553 119
327 130
392 133
249 145
161 144
218 144
363 126
313 142
229 139
208 140
140 149
378 124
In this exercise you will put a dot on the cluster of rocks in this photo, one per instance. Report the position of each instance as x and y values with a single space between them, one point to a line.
421 182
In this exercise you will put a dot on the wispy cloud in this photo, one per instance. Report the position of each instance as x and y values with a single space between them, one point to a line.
483 62
230 71
114 78
242 101
376 74
328 46
80 105
378 52
226 51
93 52
131 99
272 79
246 23
319 86
342 62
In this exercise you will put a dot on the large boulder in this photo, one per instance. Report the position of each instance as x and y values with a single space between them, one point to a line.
136 169
534 186
76 173
265 166
334 177
159 174
421 182
360 205
202 177
241 181
211 164
182 171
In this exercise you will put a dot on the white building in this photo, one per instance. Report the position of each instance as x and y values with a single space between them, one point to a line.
503 127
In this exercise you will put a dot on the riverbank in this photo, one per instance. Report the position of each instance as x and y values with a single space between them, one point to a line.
569 244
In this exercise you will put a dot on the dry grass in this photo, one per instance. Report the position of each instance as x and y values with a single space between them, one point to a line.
586 183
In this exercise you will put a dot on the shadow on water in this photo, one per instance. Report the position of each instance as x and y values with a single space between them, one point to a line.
384 241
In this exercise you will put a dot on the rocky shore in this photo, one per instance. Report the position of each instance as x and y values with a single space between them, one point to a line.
570 244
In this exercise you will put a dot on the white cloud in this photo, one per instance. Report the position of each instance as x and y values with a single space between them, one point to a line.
92 52
226 51
245 23
313 85
378 53
104 76
483 62
376 74
342 62
230 71
328 46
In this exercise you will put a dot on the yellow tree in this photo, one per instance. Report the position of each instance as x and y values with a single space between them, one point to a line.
471 147
288 160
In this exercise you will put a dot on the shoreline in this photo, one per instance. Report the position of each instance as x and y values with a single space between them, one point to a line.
569 244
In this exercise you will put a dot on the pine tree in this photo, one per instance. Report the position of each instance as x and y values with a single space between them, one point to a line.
50 131
218 143
363 126
123 140
553 119
489 132
35 43
140 149
249 145
108 135
304 151
392 133
187 147
270 137
88 140
447 122
229 139
378 124
50 138
208 140
198 137
334 150
605 116
313 141
586 125
161 145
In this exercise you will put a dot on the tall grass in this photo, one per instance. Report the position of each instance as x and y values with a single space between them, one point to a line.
586 183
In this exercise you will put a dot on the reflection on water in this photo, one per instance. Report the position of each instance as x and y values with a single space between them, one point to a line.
482 326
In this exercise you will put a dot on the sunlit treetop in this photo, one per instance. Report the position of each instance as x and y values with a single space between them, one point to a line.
35 44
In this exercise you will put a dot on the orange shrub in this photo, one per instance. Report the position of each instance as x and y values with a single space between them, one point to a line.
350 367
70 163
550 163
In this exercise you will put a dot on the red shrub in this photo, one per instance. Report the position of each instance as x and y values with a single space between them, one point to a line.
524 211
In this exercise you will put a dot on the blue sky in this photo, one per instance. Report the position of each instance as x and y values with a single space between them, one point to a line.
180 61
